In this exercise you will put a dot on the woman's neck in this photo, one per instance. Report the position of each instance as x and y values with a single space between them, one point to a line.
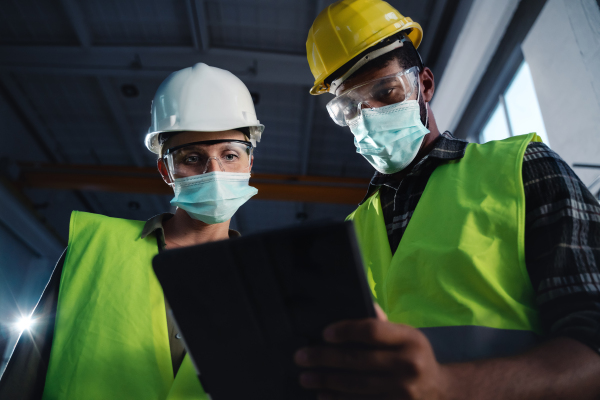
182 231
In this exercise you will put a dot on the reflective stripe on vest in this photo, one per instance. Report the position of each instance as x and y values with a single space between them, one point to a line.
461 260
110 336
468 343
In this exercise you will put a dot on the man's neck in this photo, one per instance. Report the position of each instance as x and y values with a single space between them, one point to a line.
182 231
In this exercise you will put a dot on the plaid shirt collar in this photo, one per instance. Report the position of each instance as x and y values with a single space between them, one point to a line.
447 148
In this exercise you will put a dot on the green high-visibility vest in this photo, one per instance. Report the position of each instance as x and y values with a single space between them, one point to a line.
110 336
459 271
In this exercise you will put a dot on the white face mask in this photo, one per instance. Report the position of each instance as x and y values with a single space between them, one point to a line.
389 137
212 197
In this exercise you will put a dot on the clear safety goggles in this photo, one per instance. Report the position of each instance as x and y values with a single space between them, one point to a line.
377 93
210 155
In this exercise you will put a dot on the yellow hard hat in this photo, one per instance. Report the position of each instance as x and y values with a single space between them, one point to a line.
347 28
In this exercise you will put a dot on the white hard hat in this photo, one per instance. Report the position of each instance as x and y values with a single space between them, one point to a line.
204 99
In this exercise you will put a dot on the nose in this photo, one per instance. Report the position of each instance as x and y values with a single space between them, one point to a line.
212 164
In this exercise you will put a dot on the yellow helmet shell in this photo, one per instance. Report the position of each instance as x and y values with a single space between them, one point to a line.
347 28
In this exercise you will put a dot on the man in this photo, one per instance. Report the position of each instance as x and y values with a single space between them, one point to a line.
113 336
484 257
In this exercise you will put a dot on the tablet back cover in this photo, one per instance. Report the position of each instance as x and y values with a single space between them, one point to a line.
245 305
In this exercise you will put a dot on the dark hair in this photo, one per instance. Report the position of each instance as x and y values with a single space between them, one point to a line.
407 56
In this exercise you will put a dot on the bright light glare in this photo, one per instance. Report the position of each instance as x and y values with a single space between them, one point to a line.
496 128
523 107
24 323
523 110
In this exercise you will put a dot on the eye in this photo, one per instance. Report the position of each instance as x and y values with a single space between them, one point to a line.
231 157
192 159
384 93
389 94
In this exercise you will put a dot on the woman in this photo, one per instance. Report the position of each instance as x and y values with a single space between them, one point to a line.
113 335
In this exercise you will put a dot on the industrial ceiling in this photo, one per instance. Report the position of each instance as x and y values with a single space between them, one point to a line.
77 79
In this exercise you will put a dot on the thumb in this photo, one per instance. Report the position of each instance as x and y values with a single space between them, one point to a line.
380 313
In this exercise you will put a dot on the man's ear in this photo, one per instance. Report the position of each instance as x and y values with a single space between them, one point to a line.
251 163
164 172
427 84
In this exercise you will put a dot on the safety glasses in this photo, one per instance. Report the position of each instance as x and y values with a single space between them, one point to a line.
377 93
210 155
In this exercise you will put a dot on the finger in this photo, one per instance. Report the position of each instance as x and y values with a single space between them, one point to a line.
370 331
350 383
391 359
381 315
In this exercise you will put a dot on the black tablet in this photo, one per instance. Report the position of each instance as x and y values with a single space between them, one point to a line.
245 305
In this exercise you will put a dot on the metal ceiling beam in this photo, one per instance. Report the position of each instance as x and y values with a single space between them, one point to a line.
41 134
154 62
22 222
198 24
120 119
310 113
317 189
202 23
38 129
77 21
125 131
447 32
319 6
432 27
306 135
579 165
192 20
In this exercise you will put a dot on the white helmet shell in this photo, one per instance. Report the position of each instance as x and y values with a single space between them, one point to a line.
204 99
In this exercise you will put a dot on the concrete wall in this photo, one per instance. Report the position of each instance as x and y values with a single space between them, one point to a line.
563 52
475 46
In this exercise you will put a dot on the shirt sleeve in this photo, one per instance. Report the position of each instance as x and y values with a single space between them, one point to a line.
562 246
25 374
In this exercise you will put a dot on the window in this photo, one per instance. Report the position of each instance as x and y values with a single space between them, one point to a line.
497 127
517 112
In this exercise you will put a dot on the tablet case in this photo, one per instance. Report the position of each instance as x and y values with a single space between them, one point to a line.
245 305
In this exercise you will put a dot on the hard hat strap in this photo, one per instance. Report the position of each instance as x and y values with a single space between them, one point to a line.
369 57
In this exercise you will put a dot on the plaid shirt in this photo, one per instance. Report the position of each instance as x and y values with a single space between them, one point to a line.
562 233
